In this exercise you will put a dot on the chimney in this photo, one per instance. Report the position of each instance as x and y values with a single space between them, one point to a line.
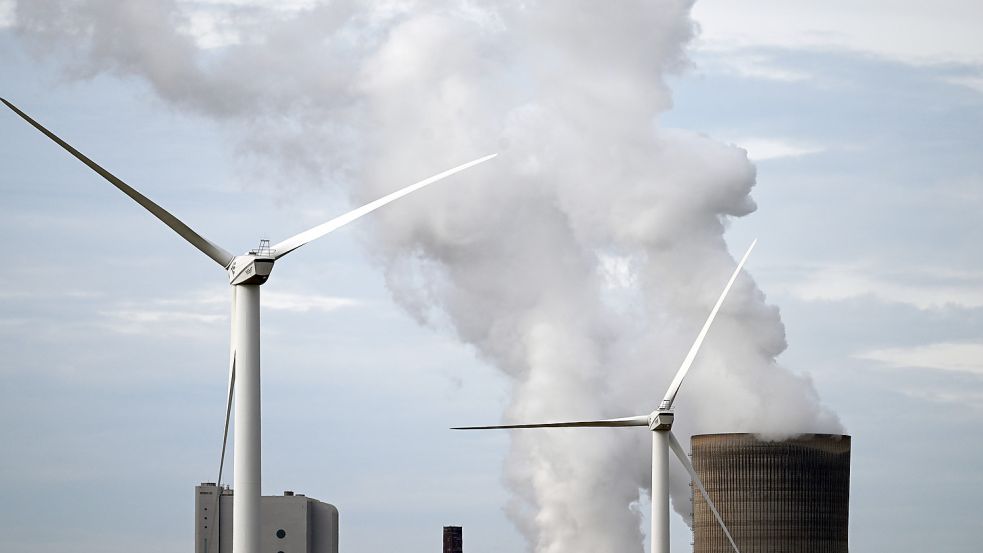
453 540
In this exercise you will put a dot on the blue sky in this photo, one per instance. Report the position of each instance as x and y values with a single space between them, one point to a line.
865 128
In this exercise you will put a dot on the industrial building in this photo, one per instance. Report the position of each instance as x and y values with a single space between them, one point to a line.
453 539
774 496
291 523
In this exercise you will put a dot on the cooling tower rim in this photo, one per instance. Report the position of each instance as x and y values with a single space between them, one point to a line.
787 437
737 441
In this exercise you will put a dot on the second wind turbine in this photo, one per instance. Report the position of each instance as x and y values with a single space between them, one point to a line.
659 422
246 273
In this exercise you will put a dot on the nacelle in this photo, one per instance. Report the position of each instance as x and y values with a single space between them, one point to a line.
660 420
250 269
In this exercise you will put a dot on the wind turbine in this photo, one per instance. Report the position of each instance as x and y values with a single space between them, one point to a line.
246 273
660 423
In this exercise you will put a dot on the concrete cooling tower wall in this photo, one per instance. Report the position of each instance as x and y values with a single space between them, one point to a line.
775 496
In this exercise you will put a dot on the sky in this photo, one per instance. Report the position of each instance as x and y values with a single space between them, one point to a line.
862 123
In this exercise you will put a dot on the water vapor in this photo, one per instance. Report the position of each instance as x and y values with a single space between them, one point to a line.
580 263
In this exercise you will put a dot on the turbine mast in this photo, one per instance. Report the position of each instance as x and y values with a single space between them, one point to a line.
660 492
247 457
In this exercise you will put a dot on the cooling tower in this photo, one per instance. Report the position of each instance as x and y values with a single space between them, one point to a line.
775 496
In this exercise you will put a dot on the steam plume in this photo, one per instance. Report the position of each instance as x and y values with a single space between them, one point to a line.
581 265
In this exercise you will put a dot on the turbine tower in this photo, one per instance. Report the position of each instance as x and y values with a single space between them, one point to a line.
659 422
246 273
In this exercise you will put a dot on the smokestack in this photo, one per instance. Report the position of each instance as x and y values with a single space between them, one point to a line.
453 539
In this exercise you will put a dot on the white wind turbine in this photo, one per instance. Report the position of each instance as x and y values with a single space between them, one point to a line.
245 273
660 423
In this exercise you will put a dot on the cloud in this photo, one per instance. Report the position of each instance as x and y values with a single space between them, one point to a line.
188 315
211 28
961 398
7 13
951 372
964 357
746 63
165 318
947 30
285 6
761 149
142 317
974 82
923 288
304 302
221 23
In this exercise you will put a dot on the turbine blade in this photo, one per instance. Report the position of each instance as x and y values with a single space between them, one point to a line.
290 244
691 355
229 396
684 459
217 253
641 420
228 416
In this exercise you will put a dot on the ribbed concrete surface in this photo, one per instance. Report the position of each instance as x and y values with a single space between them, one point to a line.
790 496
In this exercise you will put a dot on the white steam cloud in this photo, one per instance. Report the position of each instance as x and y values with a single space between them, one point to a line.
581 262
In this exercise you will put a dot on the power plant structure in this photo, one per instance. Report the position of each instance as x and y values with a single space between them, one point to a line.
453 539
291 522
776 496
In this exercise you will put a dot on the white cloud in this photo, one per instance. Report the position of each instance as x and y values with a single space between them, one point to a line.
617 271
932 288
296 302
716 58
164 318
7 14
973 82
945 356
186 315
279 5
912 31
962 398
761 149
218 23
20 293
211 29
275 299
142 317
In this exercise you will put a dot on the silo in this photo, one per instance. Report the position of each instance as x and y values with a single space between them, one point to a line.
775 496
